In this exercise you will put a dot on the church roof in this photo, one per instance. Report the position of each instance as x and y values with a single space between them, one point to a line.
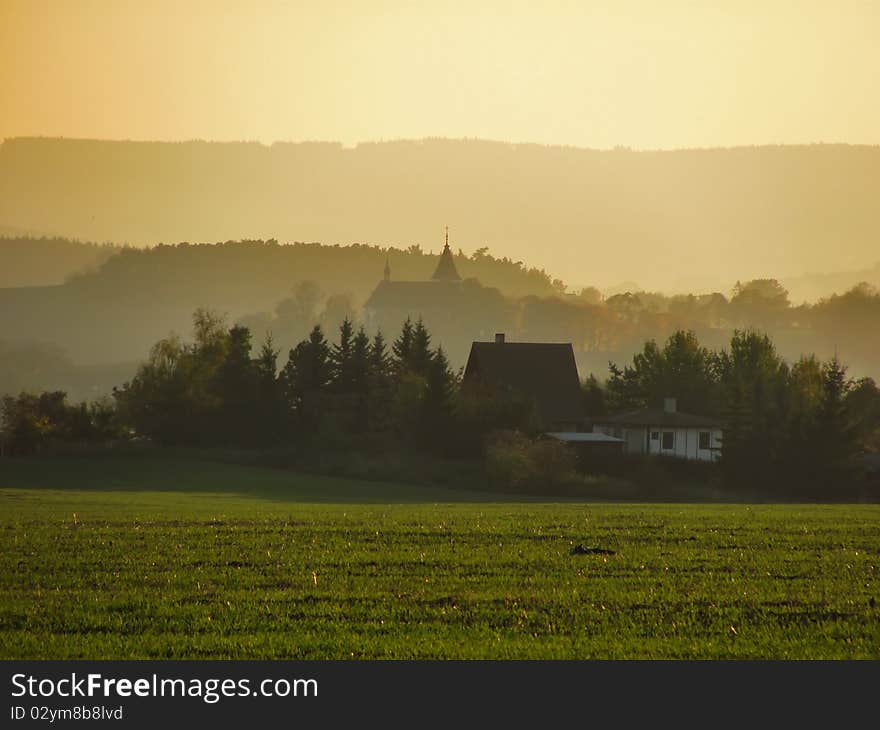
446 270
413 296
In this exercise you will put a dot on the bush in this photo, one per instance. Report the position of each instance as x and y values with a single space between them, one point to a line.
34 422
517 463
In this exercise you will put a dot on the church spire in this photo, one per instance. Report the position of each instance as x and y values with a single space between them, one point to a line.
387 269
446 270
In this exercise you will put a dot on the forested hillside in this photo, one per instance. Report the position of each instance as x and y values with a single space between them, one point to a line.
27 261
683 220
112 313
110 316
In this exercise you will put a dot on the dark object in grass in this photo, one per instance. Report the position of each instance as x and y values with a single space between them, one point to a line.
581 550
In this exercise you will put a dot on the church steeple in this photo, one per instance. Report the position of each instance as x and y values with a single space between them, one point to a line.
387 270
446 270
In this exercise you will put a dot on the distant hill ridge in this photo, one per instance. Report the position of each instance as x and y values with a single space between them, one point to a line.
30 261
27 261
112 310
250 270
705 216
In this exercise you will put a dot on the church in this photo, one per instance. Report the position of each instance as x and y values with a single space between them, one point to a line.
393 301
456 311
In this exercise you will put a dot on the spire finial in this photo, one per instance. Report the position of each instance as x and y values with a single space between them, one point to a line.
447 238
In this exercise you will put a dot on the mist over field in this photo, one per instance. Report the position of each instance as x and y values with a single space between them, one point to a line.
604 249
82 322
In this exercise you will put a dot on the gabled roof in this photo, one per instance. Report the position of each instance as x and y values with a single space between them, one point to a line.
544 371
659 417
446 270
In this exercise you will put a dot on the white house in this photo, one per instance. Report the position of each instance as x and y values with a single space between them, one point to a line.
665 432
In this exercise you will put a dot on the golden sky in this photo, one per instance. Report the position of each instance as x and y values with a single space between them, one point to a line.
649 74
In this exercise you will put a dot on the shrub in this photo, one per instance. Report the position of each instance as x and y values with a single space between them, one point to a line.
517 463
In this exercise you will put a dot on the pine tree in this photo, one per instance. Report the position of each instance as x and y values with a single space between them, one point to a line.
380 362
269 397
420 357
340 358
402 347
234 386
380 390
360 379
437 404
306 376
360 362
267 362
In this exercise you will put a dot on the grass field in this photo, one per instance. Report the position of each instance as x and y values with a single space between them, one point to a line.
180 558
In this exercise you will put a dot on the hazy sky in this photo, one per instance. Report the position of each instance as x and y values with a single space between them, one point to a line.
648 74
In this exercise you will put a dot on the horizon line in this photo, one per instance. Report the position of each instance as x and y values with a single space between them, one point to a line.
417 140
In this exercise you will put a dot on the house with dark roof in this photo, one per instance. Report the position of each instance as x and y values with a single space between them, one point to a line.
542 371
665 432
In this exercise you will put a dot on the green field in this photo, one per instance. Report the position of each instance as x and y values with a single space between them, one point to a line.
133 557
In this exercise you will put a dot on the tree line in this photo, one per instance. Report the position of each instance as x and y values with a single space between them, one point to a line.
286 289
614 326
802 424
216 391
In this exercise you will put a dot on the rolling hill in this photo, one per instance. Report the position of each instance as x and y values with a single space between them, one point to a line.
670 220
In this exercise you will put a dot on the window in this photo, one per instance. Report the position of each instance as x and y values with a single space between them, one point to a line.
668 440
705 441
655 435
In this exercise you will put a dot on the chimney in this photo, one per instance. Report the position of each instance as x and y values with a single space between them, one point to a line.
669 405
499 338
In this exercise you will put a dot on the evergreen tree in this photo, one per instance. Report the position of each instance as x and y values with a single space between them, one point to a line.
306 377
412 361
437 403
270 402
380 388
380 362
340 358
360 362
267 363
360 378
402 347
421 357
235 387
